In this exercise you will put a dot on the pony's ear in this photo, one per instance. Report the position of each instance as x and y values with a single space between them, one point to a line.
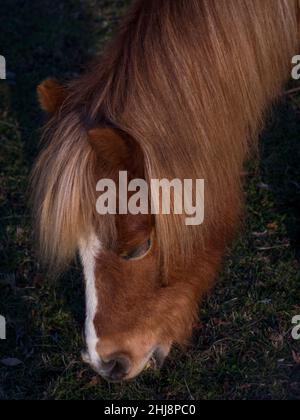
109 145
51 95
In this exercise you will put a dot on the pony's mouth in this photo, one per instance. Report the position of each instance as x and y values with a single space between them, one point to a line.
156 360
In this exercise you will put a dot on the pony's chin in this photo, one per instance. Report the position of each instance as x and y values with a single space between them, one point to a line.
154 361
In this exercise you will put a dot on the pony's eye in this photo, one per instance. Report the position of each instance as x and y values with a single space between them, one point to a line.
139 252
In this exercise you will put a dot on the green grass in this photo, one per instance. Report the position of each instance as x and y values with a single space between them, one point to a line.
242 348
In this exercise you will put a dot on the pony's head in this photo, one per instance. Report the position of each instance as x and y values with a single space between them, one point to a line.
179 94
133 316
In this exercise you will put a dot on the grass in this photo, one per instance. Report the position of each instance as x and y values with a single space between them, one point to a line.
242 348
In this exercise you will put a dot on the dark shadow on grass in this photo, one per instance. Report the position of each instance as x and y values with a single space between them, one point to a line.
280 166
39 38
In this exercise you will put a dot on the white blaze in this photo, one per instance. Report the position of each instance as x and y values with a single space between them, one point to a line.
89 250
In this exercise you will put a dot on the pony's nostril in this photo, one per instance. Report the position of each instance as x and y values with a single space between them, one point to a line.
117 368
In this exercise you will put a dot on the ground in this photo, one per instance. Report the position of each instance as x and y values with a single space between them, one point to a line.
242 348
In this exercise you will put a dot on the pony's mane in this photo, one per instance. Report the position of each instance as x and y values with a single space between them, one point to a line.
188 80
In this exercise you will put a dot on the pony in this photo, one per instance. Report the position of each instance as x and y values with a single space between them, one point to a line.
181 91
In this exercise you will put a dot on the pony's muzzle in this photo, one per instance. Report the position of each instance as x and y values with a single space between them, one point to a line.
121 367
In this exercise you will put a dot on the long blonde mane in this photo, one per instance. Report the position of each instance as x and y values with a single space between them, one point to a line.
190 81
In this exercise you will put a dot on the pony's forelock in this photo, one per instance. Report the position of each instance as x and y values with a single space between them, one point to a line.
63 190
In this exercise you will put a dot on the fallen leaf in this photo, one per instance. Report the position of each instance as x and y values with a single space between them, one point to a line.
273 226
246 387
277 340
263 186
260 234
95 381
296 357
219 322
11 362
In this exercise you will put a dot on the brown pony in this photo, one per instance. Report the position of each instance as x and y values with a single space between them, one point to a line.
180 92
